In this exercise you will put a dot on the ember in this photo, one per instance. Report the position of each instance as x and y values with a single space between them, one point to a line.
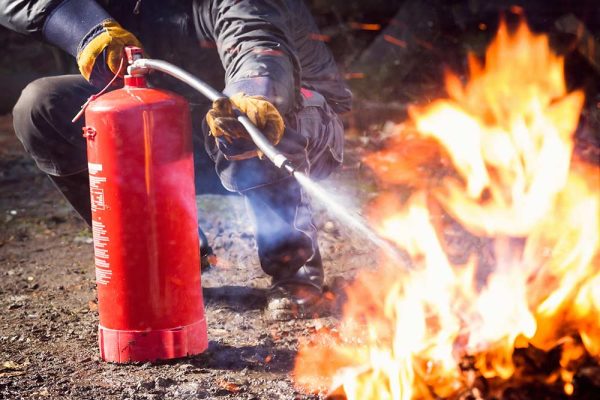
495 162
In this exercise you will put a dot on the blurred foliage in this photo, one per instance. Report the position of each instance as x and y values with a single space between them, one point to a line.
405 59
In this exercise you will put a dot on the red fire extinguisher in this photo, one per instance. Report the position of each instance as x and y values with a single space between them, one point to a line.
144 224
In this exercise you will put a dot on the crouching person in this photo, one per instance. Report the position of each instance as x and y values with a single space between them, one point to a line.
272 69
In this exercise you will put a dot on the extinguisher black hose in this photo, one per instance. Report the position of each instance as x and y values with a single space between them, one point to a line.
142 65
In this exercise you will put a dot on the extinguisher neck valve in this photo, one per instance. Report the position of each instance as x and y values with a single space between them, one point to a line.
135 81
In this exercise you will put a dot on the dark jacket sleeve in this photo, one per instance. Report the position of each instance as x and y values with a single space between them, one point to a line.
63 23
26 16
254 45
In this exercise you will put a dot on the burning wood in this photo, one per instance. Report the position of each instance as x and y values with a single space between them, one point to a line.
497 158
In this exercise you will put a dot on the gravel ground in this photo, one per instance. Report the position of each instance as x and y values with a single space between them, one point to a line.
48 306
48 318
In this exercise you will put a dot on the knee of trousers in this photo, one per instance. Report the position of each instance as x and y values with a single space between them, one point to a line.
30 107
38 123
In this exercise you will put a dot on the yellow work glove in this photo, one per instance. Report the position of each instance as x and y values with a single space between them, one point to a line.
231 136
100 55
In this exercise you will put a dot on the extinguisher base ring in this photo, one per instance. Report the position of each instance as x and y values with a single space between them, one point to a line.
125 346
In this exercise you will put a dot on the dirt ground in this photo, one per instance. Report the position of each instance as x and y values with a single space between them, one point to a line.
48 307
48 317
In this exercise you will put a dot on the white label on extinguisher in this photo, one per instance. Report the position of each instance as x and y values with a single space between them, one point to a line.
103 276
94 168
97 187
97 192
103 272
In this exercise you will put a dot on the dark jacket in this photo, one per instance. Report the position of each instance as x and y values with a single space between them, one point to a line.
266 47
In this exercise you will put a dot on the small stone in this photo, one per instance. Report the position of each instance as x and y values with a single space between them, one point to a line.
186 367
83 240
147 385
164 382
187 390
329 227
11 366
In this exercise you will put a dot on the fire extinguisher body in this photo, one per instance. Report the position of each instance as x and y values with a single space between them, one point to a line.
144 225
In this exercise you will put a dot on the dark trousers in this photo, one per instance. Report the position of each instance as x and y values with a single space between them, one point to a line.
285 233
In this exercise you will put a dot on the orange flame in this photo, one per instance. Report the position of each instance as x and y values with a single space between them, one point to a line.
496 159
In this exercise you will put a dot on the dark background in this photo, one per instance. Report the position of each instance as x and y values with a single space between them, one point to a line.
427 37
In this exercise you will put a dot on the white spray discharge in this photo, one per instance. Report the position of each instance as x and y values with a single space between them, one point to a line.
352 220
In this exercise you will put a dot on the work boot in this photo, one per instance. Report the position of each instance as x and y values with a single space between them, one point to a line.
299 296
286 238
208 259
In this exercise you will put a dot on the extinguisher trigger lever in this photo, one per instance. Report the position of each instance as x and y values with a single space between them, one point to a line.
133 53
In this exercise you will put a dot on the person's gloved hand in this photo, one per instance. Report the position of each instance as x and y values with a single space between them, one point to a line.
232 138
101 51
